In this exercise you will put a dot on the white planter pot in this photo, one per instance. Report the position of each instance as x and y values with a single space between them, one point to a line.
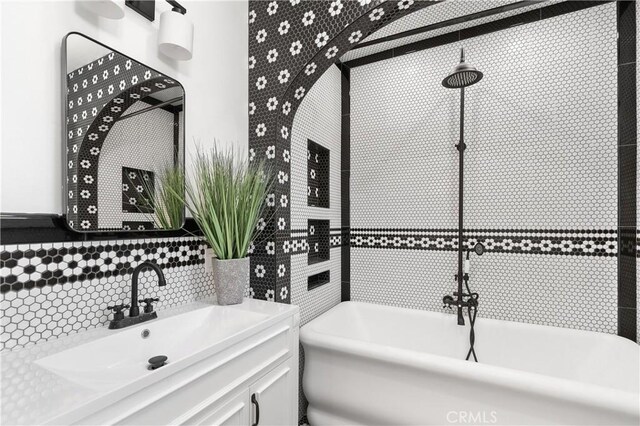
230 277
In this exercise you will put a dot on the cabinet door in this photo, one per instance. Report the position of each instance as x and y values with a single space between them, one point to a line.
234 413
272 398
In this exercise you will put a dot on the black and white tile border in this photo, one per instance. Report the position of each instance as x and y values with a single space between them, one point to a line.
39 265
298 243
558 242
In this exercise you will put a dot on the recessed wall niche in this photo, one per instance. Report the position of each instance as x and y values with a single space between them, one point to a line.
317 175
319 240
315 281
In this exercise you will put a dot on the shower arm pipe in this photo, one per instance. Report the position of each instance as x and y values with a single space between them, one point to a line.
461 148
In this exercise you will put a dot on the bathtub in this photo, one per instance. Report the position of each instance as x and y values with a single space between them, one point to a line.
376 365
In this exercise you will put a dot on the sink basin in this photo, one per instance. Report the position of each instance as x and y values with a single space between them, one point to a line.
121 358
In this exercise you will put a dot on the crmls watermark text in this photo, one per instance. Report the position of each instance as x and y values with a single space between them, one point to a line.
472 417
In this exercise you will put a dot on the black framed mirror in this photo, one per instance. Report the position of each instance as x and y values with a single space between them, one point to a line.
123 141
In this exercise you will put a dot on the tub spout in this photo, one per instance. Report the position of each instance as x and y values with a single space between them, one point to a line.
459 302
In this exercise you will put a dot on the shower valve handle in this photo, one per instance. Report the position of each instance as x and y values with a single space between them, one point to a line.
447 301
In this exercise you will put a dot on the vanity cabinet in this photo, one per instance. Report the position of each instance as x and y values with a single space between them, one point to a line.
234 413
252 382
267 394
266 402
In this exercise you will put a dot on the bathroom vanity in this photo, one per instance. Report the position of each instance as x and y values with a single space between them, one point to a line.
226 365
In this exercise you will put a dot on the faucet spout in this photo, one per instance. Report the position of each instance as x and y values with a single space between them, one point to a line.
134 311
458 300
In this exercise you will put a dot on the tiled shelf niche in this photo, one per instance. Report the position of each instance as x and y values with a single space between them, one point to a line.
315 281
319 241
317 175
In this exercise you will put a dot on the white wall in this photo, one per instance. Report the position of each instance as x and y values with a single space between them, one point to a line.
215 81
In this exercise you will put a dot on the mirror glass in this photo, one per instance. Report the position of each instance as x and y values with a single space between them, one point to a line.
123 141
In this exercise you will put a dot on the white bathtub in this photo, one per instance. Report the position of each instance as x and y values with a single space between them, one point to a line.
376 365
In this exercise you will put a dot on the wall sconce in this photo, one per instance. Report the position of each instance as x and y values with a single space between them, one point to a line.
175 38
110 9
176 33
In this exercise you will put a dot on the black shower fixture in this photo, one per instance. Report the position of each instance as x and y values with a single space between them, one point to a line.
478 248
463 75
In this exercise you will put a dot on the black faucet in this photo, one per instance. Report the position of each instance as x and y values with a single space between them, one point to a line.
135 310
119 320
463 277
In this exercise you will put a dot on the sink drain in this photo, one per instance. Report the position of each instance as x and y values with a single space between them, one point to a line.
157 362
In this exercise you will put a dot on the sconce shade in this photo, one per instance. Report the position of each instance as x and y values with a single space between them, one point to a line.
175 38
110 9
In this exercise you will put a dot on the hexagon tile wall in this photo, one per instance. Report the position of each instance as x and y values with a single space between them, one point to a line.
541 174
291 44
54 289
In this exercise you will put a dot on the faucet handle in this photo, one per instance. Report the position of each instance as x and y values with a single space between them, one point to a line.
117 311
148 304
447 301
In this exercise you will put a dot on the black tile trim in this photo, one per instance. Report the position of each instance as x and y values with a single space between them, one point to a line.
497 25
501 24
345 188
627 194
627 170
626 32
28 228
299 244
627 107
449 22
380 56
627 267
627 323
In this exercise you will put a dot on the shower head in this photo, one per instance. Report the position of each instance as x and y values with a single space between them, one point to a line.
478 248
463 75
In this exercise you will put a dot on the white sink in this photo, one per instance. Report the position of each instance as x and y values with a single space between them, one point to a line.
121 358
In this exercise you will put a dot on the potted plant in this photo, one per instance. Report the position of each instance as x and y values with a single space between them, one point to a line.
225 196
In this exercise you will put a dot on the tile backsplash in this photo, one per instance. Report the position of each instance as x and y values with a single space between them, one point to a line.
54 289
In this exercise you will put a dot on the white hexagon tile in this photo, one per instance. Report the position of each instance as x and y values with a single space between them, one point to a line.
540 173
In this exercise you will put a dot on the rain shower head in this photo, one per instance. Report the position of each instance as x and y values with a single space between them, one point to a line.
463 75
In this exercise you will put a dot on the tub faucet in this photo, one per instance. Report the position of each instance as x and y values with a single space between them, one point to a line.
471 302
463 300
460 303
119 320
